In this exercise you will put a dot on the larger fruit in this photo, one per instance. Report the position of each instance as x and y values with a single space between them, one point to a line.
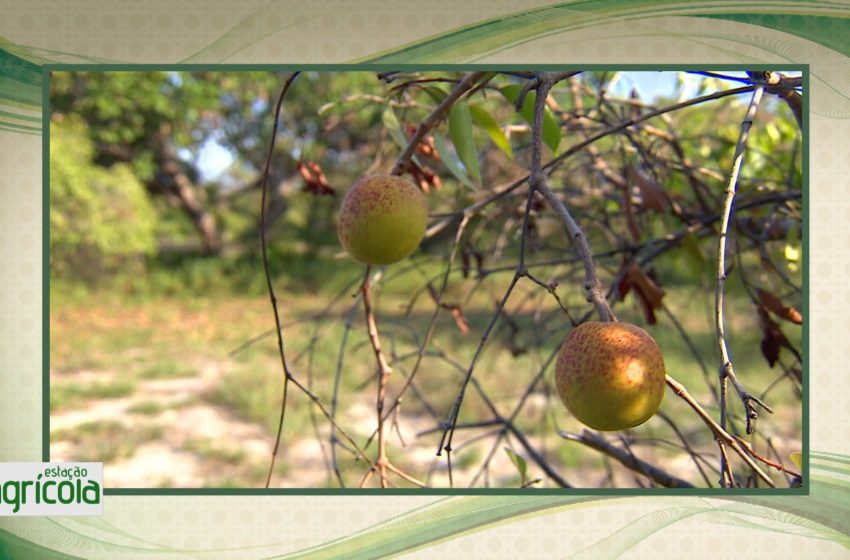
611 376
382 219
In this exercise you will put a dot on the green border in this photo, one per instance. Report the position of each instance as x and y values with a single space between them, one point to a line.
804 490
807 118
45 263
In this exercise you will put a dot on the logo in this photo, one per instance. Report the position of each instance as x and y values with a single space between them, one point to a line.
51 488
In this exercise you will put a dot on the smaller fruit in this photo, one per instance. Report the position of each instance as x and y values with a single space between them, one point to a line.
382 219
610 376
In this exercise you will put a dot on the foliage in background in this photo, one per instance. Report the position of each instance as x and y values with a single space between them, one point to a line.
99 216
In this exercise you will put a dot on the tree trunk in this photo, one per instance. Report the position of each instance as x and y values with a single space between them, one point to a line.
173 181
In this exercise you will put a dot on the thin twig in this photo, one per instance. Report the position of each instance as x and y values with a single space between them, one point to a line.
288 376
727 370
349 321
595 291
431 325
695 456
382 463
384 372
448 433
720 434
267 271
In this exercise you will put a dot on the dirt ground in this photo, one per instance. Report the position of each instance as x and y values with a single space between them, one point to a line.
192 443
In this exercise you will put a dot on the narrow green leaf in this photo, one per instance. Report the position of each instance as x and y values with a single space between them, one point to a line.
434 93
394 127
520 464
460 129
450 159
551 130
486 121
326 107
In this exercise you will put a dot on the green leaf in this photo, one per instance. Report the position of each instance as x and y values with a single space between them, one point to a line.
450 159
394 127
519 462
486 121
551 130
460 129
434 93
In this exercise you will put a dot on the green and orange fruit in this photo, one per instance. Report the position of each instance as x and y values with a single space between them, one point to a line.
382 219
610 376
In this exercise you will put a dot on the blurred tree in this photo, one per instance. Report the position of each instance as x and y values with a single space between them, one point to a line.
157 123
160 122
98 217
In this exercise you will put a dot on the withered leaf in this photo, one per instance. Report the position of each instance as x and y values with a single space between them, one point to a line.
770 349
426 146
773 338
314 179
453 308
425 177
652 195
464 259
634 230
648 292
460 320
775 306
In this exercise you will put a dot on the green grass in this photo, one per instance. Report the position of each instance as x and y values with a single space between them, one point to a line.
208 449
107 440
167 370
69 394
147 408
148 336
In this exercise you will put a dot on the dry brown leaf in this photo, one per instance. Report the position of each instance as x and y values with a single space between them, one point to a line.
460 320
773 338
652 195
775 306
314 179
648 292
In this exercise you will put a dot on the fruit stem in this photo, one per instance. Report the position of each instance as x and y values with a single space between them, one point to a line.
382 462
384 371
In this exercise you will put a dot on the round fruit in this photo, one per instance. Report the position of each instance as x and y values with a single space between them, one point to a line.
382 219
611 376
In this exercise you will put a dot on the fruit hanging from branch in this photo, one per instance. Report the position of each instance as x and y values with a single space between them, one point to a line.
610 376
382 219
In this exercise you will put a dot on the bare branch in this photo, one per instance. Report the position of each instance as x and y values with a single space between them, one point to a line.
727 370
596 293
628 460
